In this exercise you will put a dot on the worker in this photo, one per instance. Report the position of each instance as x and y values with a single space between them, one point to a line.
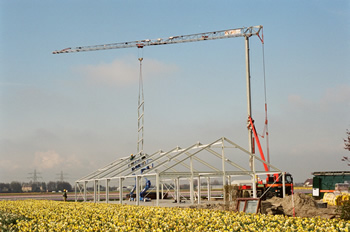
65 195
132 156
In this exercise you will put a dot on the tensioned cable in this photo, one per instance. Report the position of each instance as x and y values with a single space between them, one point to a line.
265 96
266 120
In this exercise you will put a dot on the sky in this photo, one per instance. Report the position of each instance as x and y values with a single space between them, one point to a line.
77 112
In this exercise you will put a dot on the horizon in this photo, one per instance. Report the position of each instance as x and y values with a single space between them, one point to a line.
78 112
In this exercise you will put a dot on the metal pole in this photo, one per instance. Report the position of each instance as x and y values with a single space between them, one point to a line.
157 188
120 190
137 190
249 107
191 181
75 190
178 199
85 191
162 190
209 188
230 192
98 191
284 184
107 190
223 169
199 190
95 192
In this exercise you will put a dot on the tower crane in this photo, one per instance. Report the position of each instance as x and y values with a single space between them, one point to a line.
245 32
223 34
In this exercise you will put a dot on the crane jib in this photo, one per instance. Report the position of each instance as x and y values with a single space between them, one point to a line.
224 34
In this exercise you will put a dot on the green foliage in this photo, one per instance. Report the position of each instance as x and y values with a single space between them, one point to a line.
9 220
344 210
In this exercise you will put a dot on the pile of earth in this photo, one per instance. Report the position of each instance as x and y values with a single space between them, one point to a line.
304 206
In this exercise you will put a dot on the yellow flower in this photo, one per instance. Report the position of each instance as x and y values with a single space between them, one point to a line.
70 216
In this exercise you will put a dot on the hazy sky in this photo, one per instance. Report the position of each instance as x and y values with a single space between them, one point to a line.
77 112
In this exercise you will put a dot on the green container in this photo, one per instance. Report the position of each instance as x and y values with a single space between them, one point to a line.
325 181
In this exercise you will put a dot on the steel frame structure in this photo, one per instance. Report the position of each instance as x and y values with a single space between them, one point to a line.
140 113
175 165
124 168
223 34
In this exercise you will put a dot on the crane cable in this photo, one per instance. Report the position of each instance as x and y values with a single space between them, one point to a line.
266 120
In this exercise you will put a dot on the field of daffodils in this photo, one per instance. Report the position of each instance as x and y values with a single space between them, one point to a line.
41 215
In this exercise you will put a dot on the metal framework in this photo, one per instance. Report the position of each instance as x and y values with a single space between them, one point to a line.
224 34
176 164
140 113
198 161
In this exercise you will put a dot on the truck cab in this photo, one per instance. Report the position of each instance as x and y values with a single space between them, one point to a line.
274 185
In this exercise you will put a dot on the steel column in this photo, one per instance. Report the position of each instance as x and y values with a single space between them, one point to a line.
223 169
98 191
85 191
191 181
137 190
75 191
157 189
199 190
107 190
284 184
95 192
162 190
208 188
178 199
249 108
121 190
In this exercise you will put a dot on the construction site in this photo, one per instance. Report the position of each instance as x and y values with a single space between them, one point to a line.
245 178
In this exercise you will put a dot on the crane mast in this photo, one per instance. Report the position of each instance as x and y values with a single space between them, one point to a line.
223 34
245 32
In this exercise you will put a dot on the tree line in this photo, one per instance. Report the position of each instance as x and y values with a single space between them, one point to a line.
20 187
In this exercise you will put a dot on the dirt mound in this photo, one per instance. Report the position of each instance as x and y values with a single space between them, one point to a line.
304 206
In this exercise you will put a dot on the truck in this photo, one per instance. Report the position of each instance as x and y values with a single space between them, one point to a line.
272 187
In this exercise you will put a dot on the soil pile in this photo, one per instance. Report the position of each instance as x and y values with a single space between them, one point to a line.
304 206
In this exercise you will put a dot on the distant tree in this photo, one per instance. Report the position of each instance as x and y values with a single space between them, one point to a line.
64 185
16 187
36 187
51 186
347 141
4 188
195 183
216 182
43 186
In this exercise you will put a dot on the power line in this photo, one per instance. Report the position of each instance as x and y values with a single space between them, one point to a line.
35 176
